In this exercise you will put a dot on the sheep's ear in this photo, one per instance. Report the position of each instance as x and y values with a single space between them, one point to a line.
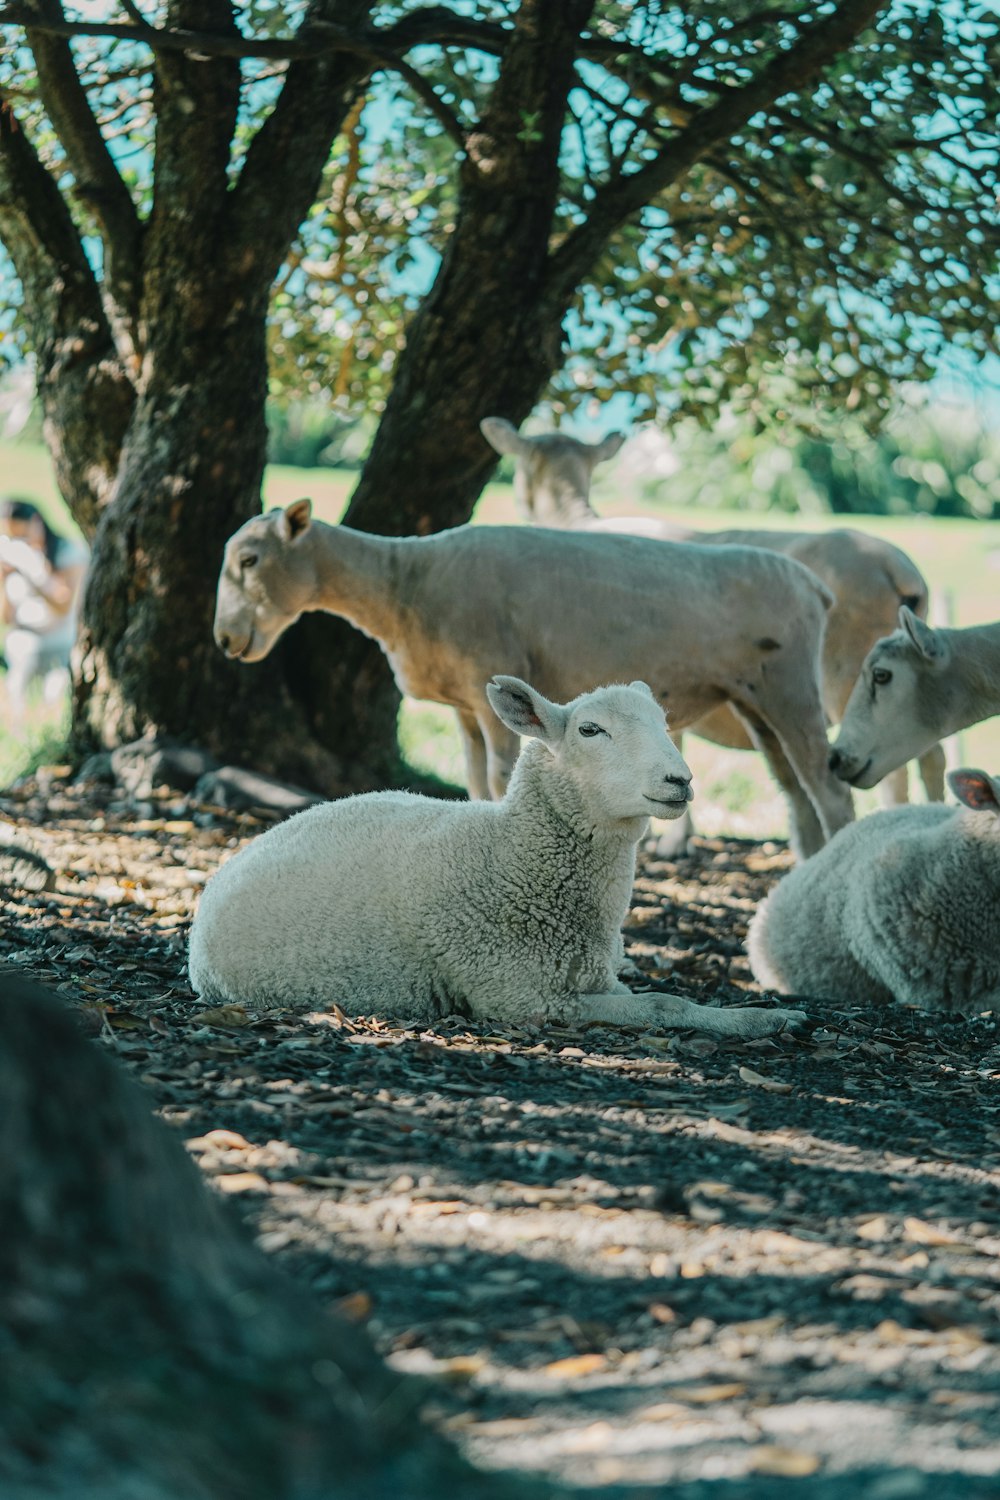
504 436
926 640
607 448
976 790
526 712
643 687
294 520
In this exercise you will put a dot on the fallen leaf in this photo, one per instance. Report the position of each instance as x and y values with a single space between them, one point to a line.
439 1206
758 1327
574 1366
759 1081
776 1242
123 1020
704 1395
919 1232
661 1313
222 1015
875 1228
220 1140
889 1331
663 1411
784 1463
242 1182
462 1367
591 1439
356 1307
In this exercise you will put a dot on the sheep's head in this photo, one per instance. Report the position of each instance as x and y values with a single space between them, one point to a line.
554 471
889 718
268 578
612 743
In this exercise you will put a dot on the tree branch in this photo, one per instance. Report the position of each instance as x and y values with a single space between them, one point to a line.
196 102
786 72
98 183
86 397
435 25
284 163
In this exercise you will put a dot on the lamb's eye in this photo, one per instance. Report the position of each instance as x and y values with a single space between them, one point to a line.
880 676
589 730
248 561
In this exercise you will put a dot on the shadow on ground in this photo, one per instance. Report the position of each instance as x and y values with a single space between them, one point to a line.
623 1261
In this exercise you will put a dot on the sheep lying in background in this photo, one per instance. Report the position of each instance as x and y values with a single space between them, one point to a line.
868 577
904 905
391 902
707 625
915 687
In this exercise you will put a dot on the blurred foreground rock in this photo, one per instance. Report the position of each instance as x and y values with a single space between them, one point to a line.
147 1351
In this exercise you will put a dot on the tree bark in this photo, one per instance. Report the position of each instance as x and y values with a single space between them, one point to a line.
192 458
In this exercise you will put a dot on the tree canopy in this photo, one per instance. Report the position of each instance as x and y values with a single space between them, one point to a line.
846 228
443 211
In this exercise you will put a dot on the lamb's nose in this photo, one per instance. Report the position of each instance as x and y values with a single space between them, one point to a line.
683 785
835 760
222 641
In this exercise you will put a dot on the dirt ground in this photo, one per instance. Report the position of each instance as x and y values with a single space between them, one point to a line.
637 1263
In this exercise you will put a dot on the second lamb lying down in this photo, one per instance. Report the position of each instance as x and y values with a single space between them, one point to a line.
391 902
904 905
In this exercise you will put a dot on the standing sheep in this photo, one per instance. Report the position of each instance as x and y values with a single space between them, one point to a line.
904 905
392 902
868 577
916 686
707 625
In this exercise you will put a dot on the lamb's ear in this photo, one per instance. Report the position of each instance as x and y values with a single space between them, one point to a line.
976 789
643 687
526 712
926 640
294 520
607 448
504 436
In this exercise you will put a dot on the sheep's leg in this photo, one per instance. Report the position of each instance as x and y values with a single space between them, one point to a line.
894 789
474 747
932 767
799 733
502 747
805 831
672 1013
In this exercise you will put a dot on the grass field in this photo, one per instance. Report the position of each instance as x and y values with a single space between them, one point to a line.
961 560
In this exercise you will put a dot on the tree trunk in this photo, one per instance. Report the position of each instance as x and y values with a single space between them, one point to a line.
193 455
190 474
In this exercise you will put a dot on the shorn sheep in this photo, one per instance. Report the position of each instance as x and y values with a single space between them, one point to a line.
904 905
512 910
916 686
706 625
868 577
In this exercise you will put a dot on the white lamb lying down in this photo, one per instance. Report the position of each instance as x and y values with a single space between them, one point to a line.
392 902
904 905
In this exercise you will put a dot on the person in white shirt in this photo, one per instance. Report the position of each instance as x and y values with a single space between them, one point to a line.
41 574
